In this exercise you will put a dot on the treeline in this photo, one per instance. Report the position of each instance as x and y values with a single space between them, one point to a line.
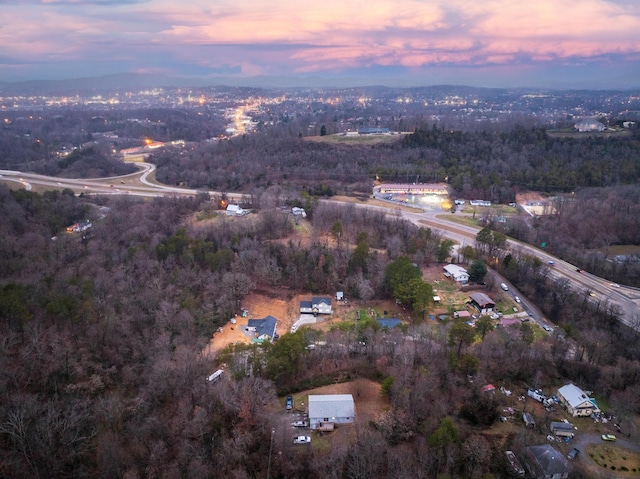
583 228
491 166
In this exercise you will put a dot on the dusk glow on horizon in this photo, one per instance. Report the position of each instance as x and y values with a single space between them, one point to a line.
489 43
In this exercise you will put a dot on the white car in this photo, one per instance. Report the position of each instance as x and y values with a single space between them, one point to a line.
302 440
517 298
547 328
300 424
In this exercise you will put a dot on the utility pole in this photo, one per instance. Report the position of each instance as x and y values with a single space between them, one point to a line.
273 430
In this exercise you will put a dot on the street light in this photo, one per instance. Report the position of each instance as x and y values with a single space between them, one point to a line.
273 430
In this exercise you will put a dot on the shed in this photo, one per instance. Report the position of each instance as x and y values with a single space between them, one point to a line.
528 419
331 408
562 429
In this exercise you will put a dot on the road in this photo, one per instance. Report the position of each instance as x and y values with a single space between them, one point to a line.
595 289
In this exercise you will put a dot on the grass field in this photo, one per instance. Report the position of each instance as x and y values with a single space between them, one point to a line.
355 140
622 462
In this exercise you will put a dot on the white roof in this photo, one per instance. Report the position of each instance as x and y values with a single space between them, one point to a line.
331 405
455 269
574 395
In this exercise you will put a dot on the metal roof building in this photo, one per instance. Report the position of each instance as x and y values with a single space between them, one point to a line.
331 408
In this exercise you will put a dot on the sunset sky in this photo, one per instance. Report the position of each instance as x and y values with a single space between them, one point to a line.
586 43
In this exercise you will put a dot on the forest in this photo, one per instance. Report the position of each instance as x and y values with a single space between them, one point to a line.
102 334
101 340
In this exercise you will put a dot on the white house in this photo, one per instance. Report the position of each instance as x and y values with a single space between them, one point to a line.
317 305
235 210
576 401
331 409
457 273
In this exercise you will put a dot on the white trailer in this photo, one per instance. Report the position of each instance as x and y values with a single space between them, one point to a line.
215 377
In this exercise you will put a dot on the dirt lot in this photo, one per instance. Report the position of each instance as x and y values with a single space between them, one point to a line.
286 308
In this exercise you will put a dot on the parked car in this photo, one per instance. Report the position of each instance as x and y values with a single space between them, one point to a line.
573 453
289 402
608 437
300 424
302 440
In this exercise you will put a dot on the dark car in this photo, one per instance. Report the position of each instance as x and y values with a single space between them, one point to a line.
289 402
573 453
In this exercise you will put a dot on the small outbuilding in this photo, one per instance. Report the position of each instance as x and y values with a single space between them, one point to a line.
562 429
528 419
329 409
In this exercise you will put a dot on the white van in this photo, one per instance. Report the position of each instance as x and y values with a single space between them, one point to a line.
504 286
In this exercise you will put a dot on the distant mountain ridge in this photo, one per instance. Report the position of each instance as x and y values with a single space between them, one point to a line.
128 81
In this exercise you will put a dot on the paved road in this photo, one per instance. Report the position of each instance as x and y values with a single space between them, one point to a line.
625 298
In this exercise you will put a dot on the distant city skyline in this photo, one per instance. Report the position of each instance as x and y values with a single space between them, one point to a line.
591 44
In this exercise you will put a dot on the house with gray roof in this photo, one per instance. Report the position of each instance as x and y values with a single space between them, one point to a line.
546 462
577 402
264 328
317 305
331 409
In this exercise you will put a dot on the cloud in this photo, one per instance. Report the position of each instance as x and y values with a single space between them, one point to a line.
287 36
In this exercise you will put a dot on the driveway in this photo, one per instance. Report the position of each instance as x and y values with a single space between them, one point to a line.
583 440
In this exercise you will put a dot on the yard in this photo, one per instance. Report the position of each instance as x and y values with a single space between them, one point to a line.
615 459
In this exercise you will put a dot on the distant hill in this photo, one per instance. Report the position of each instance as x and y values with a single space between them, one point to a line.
127 81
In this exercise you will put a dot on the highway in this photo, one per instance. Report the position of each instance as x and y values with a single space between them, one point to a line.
138 184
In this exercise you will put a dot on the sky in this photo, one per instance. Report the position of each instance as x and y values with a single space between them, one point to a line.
492 43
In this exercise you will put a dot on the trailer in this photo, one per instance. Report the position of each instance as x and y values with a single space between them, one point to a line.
540 397
215 377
